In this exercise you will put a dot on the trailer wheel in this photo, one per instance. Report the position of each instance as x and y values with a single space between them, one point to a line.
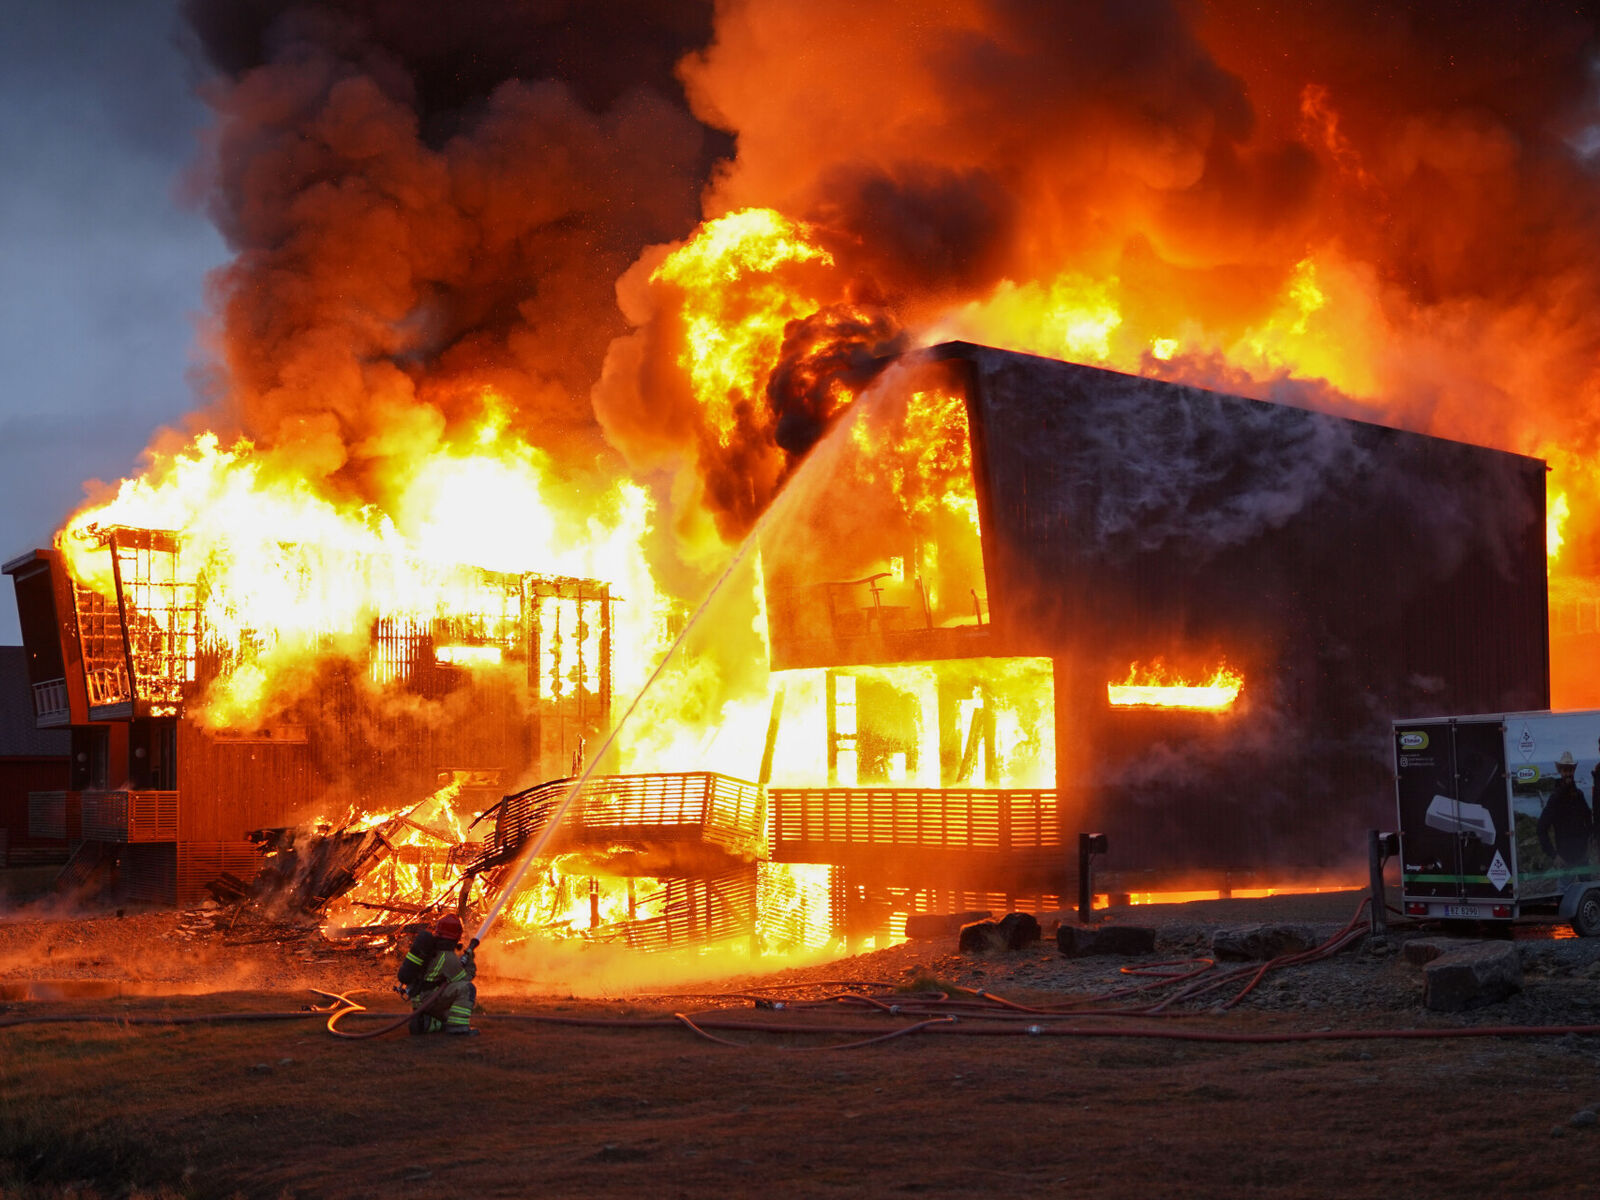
1586 917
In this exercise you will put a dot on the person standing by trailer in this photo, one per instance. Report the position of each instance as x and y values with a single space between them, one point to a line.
1566 824
438 980
1595 776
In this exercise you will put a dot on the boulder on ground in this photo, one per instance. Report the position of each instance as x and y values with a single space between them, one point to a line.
1014 931
1471 977
1257 943
981 937
1080 941
1021 930
938 925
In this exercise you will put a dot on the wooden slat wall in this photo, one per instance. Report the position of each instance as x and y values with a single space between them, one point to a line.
231 788
200 863
47 816
700 912
148 874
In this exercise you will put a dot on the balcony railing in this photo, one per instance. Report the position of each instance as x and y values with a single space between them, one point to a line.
54 815
130 816
976 820
698 806
50 705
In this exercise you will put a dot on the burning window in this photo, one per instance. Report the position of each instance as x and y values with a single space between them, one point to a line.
893 553
1155 686
980 722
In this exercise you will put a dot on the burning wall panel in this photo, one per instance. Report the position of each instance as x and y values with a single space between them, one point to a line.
893 570
698 912
160 618
105 655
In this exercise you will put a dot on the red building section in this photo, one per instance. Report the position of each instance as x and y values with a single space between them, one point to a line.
31 760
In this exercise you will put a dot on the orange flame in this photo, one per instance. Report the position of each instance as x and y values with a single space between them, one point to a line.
737 275
1153 687
284 575
1555 523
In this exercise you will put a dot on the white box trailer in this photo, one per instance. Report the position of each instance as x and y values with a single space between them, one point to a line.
1497 817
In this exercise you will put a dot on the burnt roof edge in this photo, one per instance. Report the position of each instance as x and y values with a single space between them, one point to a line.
972 351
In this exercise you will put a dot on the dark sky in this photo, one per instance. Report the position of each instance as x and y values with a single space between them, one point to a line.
102 263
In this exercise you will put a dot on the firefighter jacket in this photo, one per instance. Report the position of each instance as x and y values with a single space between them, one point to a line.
432 961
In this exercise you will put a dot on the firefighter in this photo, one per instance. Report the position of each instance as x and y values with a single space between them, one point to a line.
1566 823
438 980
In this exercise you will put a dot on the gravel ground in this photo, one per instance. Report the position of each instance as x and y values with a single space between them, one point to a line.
1371 982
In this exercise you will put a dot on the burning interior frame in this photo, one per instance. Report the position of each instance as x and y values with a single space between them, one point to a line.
1030 599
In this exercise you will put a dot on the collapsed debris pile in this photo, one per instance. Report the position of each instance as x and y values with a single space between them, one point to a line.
649 861
365 879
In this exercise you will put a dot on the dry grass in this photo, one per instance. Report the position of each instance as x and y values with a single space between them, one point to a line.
284 1110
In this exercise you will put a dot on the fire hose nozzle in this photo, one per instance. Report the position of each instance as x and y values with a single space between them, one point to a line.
472 945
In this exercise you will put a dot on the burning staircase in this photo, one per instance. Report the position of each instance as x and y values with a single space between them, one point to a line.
695 823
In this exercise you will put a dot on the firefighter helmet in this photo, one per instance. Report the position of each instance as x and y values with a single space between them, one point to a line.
448 928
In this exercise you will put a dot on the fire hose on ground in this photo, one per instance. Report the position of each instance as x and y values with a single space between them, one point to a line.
950 1010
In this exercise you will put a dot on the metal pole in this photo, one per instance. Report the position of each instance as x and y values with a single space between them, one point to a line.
1379 915
1085 892
1089 844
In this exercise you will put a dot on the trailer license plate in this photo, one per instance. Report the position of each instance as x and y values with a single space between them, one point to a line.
1461 910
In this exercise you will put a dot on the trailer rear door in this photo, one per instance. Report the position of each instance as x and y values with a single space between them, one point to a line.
1456 831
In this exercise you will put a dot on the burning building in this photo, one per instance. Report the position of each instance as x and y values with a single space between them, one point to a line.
1015 600
137 650
1172 616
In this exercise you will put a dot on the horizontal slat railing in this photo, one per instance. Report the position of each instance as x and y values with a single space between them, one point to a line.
53 815
702 804
623 800
983 821
130 816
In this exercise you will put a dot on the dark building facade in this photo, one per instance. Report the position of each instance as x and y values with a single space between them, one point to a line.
1349 572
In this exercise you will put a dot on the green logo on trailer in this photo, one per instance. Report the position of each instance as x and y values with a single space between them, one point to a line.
1414 739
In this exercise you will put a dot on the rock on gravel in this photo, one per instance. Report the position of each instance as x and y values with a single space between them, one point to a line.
1471 977
1257 943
